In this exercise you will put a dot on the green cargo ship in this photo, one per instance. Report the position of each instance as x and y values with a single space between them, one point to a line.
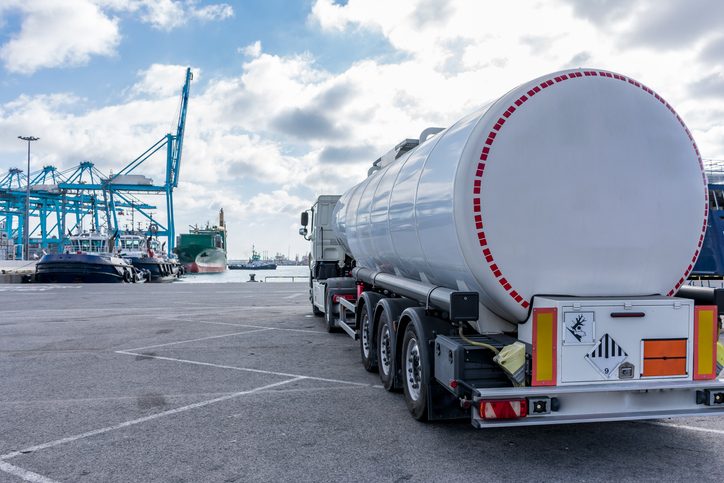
203 250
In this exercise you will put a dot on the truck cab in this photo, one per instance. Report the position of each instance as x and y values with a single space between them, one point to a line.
328 262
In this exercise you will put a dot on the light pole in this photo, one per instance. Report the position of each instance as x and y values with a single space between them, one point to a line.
26 225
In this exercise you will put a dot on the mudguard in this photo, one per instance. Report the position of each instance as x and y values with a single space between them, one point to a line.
441 405
368 301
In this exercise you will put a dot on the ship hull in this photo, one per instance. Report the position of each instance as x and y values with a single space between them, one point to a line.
201 259
77 268
252 267
200 267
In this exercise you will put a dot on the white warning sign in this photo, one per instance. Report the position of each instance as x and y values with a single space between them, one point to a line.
606 356
579 328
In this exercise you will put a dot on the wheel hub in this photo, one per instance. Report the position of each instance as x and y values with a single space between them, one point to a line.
385 349
366 336
414 370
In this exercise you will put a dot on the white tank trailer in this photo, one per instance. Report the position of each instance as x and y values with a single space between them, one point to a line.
560 222
583 183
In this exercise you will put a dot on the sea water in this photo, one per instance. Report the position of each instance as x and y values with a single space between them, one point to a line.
283 273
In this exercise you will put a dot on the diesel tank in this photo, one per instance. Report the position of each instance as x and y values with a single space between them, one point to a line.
579 183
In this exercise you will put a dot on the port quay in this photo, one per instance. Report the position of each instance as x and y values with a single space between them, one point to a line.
240 382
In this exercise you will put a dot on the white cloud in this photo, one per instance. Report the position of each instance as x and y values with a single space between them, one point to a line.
58 34
463 53
169 14
253 50
163 14
162 80
278 201
69 33
213 12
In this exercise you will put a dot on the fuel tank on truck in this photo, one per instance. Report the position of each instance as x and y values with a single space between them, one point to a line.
582 182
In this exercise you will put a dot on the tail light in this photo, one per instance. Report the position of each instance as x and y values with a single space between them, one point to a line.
503 409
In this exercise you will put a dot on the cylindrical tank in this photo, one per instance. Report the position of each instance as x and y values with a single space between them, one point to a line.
582 182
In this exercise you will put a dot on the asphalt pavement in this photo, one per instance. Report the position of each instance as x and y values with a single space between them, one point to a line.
239 382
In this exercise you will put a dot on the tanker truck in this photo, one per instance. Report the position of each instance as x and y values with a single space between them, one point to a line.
527 264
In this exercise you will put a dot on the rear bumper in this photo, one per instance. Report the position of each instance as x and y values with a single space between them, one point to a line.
606 402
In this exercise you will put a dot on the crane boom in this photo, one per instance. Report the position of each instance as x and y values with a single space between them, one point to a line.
176 144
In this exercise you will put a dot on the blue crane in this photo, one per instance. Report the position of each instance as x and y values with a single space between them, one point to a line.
174 146
85 191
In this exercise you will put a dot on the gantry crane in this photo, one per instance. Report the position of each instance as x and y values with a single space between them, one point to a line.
85 191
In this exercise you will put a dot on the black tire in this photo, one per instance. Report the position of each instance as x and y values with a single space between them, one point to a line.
127 276
316 311
414 369
329 315
385 362
366 343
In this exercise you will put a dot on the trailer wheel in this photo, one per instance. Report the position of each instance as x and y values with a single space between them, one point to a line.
386 364
366 344
414 366
127 276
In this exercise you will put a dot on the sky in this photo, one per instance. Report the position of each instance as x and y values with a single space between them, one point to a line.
296 98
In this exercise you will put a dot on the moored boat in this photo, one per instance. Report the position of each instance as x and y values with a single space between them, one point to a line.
255 263
87 259
203 250
146 254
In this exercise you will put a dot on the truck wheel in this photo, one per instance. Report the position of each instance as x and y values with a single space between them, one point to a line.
367 348
316 311
414 367
384 351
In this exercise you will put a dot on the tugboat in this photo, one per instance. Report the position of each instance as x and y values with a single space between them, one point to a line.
146 254
254 264
203 250
87 259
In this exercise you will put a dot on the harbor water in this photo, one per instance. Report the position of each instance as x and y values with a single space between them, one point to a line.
283 273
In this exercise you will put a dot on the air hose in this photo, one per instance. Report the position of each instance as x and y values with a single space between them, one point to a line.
479 344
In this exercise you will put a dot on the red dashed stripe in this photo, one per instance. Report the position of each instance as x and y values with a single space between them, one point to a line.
496 129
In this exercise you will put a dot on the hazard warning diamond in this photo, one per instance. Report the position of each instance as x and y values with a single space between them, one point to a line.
606 356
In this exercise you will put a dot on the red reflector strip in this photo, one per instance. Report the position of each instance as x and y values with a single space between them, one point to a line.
336 298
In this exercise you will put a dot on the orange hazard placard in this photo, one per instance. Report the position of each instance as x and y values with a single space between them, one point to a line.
664 357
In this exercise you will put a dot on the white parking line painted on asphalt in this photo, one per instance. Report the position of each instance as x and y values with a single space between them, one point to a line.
254 294
203 338
682 426
34 288
261 327
24 474
247 369
126 424
293 296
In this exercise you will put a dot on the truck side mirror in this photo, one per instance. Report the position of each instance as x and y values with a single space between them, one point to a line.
305 218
